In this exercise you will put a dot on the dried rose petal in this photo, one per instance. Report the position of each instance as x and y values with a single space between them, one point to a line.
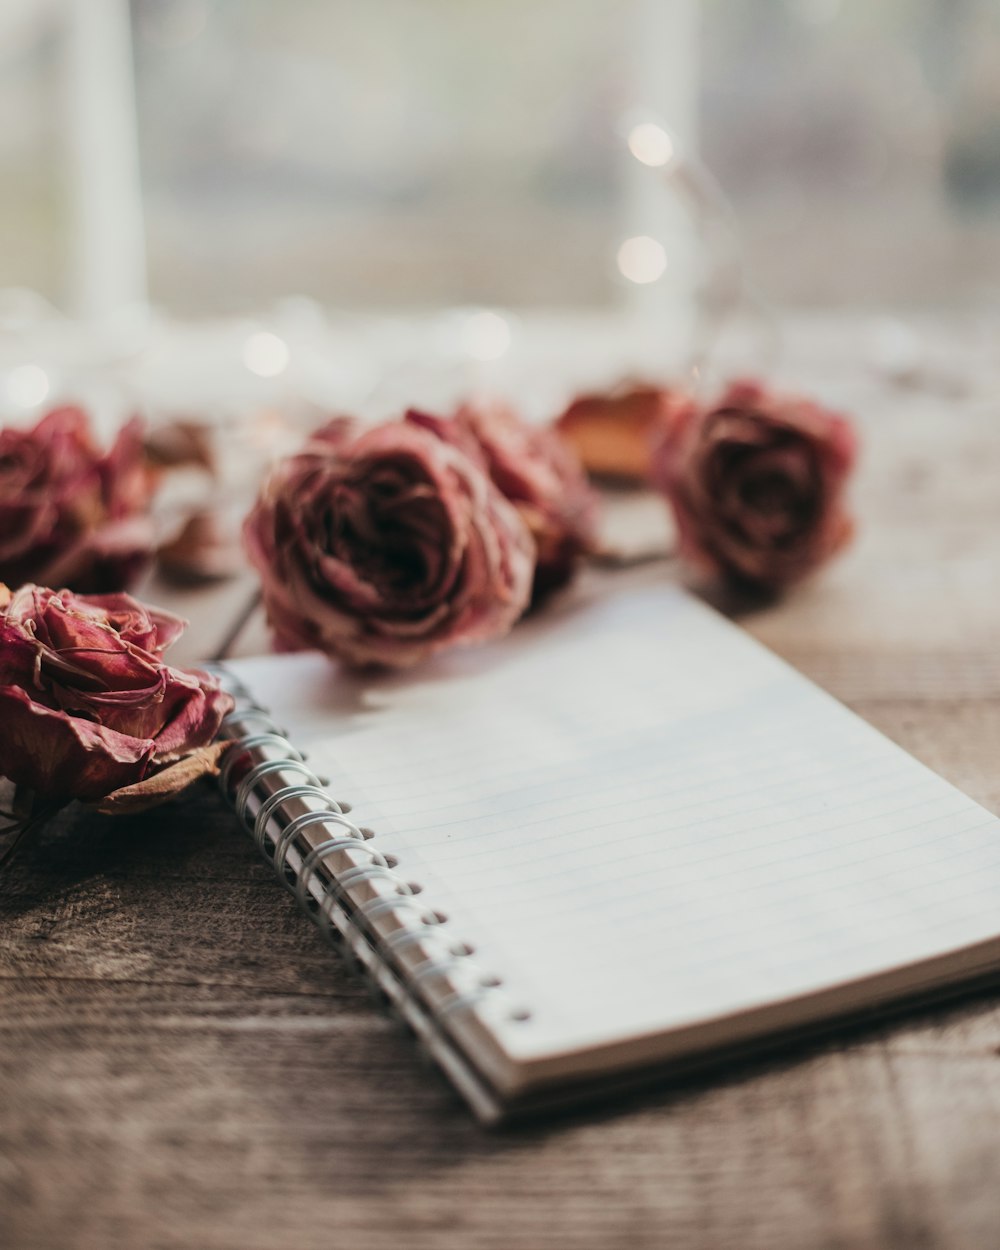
538 473
615 434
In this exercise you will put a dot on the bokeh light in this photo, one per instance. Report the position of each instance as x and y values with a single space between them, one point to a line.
265 354
642 259
27 386
650 144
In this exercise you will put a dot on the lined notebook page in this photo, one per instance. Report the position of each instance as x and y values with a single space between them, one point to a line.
641 819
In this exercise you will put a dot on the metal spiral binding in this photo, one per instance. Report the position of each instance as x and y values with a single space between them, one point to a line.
350 889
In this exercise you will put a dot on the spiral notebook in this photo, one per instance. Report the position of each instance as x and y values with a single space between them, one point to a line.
625 840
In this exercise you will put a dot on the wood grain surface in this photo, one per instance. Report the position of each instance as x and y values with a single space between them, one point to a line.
183 1064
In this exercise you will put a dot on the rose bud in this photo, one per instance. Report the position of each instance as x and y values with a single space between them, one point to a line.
386 546
614 435
757 484
541 477
70 515
88 708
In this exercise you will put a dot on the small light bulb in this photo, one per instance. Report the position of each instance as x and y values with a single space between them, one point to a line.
265 354
642 259
650 144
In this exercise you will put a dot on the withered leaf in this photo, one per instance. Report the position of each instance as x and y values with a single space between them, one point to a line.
163 785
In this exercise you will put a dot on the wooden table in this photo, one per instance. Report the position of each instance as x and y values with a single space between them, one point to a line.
184 1064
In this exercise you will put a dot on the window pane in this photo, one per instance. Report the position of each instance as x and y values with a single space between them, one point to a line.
859 143
380 154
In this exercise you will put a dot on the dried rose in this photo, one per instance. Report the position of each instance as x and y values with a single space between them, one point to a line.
757 484
69 514
538 473
88 708
386 546
615 434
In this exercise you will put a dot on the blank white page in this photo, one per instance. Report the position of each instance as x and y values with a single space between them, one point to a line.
641 819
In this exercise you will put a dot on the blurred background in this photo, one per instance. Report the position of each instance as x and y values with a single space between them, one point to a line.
391 155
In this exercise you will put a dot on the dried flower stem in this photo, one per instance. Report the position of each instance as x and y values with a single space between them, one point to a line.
231 636
28 828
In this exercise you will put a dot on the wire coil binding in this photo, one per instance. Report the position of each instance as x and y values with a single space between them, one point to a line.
301 830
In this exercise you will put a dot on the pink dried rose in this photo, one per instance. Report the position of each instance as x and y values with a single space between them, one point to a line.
70 514
538 473
757 484
88 708
386 546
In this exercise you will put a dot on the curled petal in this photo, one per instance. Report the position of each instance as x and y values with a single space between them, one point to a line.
137 623
536 471
66 756
191 713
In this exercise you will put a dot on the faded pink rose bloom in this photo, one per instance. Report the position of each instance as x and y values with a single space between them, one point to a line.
87 705
757 484
386 546
71 515
540 475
